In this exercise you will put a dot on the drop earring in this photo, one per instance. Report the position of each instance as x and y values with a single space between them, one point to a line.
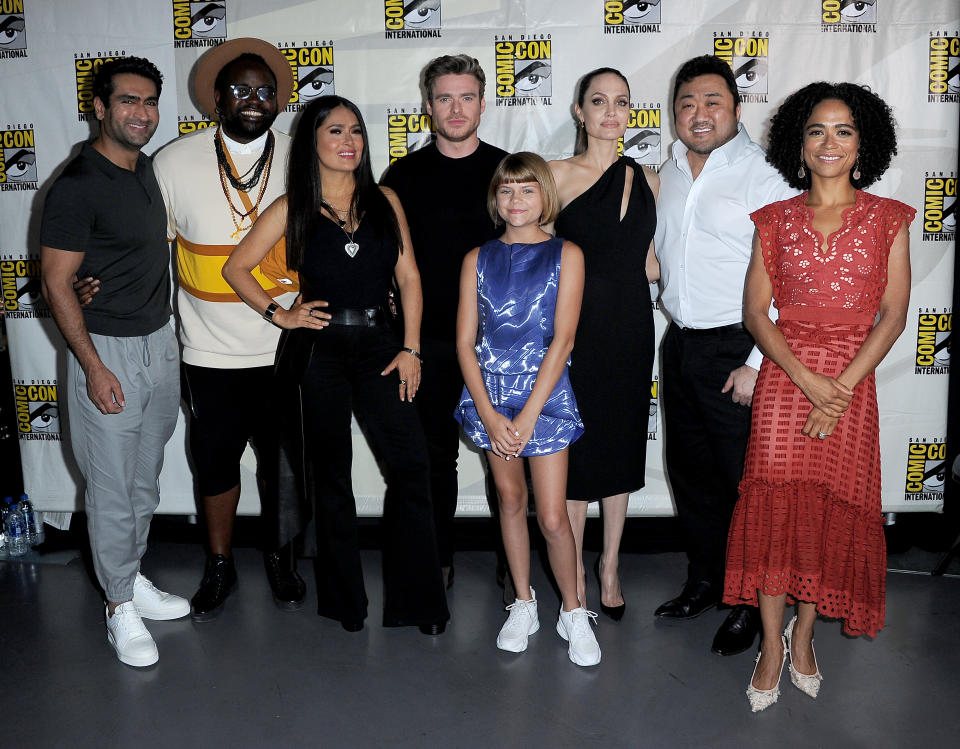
856 169
801 172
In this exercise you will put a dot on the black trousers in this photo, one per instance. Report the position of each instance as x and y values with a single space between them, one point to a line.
706 440
342 378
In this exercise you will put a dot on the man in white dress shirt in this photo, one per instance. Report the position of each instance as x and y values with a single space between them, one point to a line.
716 177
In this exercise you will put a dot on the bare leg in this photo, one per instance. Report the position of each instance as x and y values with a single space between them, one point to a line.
801 650
549 474
614 516
771 647
577 512
219 510
512 493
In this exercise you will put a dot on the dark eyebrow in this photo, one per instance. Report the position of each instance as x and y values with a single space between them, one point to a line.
839 124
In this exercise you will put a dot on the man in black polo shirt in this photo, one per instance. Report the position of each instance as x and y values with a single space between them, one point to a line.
443 190
104 217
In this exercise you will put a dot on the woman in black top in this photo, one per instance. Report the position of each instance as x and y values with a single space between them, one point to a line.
347 238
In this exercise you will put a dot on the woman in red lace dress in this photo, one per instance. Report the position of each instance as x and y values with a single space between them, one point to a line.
835 261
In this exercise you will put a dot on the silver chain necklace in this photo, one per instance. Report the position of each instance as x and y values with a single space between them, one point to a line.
351 247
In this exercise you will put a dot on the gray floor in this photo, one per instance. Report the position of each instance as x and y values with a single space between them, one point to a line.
261 677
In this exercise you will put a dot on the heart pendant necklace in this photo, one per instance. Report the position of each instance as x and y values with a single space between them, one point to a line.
351 247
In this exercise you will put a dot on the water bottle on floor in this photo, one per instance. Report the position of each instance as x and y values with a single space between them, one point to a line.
15 531
3 527
32 521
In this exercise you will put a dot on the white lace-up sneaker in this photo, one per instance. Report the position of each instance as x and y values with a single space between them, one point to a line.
574 627
522 622
128 636
153 603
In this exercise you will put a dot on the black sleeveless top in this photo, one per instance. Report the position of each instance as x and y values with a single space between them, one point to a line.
358 282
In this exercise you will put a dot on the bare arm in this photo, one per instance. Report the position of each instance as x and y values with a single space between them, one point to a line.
411 299
58 269
653 263
237 271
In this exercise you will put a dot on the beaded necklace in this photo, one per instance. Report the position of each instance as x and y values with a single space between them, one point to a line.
241 185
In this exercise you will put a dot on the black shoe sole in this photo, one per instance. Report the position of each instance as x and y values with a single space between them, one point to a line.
207 616
731 652
676 618
288 605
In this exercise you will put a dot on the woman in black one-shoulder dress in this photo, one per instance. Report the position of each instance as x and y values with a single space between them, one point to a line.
609 209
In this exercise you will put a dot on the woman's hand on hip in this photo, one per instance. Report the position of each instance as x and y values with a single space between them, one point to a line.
302 315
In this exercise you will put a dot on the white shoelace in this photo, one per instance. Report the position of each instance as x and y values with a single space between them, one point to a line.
580 619
517 610
145 583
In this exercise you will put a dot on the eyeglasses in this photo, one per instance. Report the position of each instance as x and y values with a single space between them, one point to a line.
243 92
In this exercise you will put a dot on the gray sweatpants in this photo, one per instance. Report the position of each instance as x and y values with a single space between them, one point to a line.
120 455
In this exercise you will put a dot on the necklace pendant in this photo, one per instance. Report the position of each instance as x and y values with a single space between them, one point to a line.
351 248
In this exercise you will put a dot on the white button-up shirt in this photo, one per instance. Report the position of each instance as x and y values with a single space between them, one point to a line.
704 233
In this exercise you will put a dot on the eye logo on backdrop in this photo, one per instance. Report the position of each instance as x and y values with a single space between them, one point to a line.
943 68
654 408
926 470
631 17
408 129
312 68
641 141
20 285
37 408
13 29
848 16
18 158
85 65
411 19
934 329
187 124
524 69
939 207
748 55
201 24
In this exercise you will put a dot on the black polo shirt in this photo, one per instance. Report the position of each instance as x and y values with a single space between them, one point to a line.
117 218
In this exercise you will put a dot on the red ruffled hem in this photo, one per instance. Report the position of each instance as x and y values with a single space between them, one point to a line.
800 539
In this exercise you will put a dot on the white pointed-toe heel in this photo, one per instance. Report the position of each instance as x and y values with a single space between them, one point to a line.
761 699
809 684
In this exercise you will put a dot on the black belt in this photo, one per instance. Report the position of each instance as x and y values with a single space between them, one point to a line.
368 318
734 327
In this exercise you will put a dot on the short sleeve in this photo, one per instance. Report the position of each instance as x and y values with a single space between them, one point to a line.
768 221
160 173
895 214
68 221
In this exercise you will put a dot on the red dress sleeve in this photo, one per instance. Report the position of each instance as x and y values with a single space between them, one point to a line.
769 221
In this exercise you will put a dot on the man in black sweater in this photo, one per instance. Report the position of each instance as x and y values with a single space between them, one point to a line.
443 190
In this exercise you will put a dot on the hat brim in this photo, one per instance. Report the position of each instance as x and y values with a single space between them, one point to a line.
210 64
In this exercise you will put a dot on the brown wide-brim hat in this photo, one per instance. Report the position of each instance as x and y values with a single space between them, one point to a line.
209 67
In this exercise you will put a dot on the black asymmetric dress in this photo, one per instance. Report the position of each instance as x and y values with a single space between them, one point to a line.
612 358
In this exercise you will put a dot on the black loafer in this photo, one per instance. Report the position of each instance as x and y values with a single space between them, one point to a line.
287 586
219 577
696 597
738 631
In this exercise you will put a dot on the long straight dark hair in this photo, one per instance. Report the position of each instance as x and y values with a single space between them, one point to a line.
305 186
581 145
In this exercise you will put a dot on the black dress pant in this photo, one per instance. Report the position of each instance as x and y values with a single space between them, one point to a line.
706 439
342 378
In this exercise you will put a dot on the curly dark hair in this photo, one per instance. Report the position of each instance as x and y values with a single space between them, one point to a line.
871 116
103 78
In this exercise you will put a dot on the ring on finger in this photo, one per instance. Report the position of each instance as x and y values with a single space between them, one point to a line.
821 435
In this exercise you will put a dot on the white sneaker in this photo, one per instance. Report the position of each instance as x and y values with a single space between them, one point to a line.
574 627
128 636
152 603
522 622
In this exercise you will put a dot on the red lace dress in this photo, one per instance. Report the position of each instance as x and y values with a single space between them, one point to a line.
808 522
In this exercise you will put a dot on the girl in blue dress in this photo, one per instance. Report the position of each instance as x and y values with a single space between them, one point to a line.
515 328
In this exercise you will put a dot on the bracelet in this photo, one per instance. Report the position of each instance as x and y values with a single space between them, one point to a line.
268 312
413 351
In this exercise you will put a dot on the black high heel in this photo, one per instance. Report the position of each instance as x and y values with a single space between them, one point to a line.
614 612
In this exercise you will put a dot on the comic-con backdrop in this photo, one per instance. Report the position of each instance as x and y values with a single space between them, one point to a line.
533 52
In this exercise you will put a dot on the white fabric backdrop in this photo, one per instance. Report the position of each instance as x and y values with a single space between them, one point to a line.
533 52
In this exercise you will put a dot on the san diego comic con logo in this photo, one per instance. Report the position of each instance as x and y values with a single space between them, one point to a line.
13 29
943 76
926 470
312 66
631 17
37 408
848 16
747 53
524 69
408 129
411 19
939 207
934 329
654 408
18 158
187 124
85 66
641 141
20 287
201 24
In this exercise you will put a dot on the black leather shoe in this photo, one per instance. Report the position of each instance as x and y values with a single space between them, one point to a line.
696 597
287 586
738 631
219 577
433 629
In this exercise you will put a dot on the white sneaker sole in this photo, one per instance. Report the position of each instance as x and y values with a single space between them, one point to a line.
138 662
165 614
509 649
576 659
